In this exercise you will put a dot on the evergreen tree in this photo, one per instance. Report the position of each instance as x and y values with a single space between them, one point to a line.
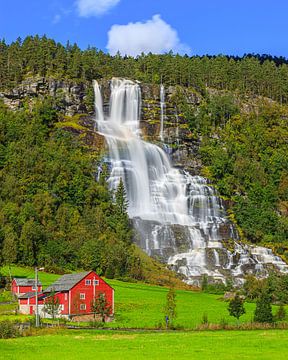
236 307
121 218
120 199
263 311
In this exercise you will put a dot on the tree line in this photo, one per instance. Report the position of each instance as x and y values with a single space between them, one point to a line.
251 74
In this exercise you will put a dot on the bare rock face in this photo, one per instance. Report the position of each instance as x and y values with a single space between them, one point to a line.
70 96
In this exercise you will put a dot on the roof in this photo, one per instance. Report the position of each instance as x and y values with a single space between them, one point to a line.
26 282
31 294
67 282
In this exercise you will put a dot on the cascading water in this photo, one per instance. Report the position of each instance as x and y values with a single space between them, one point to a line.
179 217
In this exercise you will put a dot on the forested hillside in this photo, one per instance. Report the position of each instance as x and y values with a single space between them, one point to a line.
255 74
52 210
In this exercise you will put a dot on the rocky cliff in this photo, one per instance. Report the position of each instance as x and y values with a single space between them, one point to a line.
77 98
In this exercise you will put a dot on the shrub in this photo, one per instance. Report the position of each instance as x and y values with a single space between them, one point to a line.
281 313
8 330
205 319
223 323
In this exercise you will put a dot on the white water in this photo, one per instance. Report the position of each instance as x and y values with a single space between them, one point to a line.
98 103
178 216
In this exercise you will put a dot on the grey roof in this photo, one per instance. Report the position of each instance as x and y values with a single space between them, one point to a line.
31 294
26 282
66 282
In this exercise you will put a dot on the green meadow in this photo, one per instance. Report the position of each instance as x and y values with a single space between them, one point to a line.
110 345
139 305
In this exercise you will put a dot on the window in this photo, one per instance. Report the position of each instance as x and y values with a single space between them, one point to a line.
82 306
87 282
95 282
82 296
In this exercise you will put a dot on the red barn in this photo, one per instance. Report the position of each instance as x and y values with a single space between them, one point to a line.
75 293
27 303
23 286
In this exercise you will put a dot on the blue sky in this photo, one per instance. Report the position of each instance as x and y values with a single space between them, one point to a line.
131 26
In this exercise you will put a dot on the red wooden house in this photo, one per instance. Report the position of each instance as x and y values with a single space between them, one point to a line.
75 293
27 303
23 286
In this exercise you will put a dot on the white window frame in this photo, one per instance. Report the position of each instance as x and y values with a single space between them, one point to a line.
87 282
82 296
82 306
95 282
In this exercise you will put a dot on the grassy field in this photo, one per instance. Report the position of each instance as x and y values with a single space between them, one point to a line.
80 344
141 305
26 272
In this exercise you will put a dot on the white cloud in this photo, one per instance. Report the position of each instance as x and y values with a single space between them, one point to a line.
88 8
155 36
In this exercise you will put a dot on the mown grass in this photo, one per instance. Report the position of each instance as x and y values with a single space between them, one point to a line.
140 305
224 345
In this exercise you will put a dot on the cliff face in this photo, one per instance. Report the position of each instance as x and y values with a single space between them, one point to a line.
77 98
70 97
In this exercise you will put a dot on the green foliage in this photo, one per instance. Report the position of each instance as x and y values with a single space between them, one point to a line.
263 311
8 330
100 306
205 319
52 211
170 306
281 313
214 287
236 307
252 74
52 305
276 285
246 159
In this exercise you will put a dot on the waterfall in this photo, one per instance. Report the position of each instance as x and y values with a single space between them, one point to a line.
98 103
179 217
162 107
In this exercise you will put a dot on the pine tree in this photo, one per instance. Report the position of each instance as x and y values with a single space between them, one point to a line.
236 307
263 311
120 199
122 225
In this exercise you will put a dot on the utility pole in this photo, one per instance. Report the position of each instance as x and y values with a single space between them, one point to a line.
36 297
